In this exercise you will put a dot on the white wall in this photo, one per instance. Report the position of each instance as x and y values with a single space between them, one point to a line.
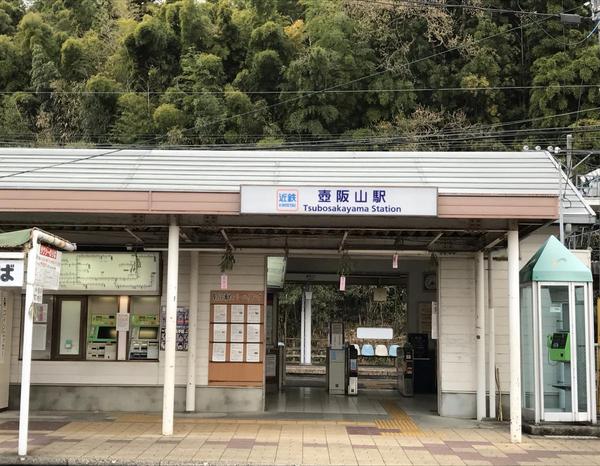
248 274
457 358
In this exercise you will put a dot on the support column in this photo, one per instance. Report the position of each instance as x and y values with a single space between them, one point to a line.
480 333
308 327
491 318
514 335
302 330
170 327
190 389
27 345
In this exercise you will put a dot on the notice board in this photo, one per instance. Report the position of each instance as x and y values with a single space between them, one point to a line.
236 338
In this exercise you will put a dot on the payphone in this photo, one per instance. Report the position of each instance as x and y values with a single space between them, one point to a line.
405 370
559 347
102 338
144 337
352 370
336 359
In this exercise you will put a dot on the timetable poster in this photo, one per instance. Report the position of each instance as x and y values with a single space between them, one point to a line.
254 313
219 333
218 352
237 313
237 332
220 313
253 333
236 352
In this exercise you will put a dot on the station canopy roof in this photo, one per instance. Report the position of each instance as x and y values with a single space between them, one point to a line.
530 174
553 262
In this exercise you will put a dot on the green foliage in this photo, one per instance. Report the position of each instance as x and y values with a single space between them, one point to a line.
99 107
382 75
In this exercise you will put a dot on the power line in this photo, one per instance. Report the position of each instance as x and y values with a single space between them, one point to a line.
332 91
426 4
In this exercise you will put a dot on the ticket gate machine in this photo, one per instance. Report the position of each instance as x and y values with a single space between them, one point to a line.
351 370
405 370
336 359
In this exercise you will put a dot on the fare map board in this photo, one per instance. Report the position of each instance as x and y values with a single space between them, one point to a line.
110 272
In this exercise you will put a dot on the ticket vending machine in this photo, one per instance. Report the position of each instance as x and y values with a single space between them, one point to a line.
144 343
336 360
102 338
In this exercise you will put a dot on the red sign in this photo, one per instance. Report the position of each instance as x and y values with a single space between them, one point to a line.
48 251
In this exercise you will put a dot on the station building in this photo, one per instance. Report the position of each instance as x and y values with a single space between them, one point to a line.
458 224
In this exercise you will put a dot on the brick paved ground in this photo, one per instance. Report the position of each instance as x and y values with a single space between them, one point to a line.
135 439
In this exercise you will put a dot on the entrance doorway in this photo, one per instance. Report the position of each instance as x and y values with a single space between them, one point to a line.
377 295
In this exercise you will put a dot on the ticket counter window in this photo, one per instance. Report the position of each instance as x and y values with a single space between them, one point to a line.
144 328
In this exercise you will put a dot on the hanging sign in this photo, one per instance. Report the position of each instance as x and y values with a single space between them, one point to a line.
339 200
47 268
12 272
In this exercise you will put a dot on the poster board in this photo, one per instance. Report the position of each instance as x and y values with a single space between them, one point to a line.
236 338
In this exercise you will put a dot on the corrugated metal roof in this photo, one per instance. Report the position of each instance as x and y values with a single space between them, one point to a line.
492 173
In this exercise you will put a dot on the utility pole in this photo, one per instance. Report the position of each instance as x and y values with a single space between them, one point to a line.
595 6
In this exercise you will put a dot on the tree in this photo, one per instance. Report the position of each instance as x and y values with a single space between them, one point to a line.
99 106
134 123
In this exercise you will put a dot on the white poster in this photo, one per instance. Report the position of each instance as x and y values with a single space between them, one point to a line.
237 332
253 333
236 352
218 352
220 313
219 332
47 271
237 313
122 322
38 338
254 313
253 352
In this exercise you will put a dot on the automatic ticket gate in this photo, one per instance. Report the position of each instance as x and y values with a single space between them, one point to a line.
342 363
405 370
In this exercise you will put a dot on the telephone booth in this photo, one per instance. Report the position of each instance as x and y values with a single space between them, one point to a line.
557 344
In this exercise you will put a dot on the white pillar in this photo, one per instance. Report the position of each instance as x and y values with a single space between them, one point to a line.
302 335
308 327
27 343
170 327
480 333
514 336
190 391
491 318
122 335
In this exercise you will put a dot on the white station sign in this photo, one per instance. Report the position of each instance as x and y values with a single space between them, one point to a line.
339 200
11 271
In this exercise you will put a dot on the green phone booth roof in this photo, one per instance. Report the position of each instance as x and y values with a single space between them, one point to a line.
554 263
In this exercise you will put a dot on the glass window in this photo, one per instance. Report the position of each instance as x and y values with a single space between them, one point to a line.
581 348
527 352
556 361
71 314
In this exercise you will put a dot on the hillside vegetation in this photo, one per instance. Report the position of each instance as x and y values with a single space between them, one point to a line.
309 74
